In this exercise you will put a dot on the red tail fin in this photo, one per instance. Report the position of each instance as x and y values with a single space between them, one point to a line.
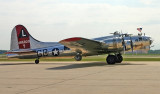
23 37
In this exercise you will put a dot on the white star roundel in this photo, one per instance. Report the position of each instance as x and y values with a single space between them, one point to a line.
55 52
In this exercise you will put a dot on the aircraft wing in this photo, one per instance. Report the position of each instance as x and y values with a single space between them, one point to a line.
83 45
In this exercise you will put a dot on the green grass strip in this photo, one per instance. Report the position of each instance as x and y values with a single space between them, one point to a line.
84 59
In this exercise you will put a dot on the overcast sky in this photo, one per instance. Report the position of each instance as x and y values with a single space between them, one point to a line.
54 20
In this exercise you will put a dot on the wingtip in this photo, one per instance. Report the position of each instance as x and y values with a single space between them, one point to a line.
8 53
70 39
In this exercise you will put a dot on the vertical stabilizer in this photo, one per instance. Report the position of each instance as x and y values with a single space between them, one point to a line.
20 38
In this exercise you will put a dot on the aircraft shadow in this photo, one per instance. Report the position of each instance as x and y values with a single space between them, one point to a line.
92 64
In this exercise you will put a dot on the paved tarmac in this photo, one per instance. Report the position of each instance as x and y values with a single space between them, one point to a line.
79 78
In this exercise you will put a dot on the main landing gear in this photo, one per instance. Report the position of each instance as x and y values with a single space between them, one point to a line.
78 57
112 59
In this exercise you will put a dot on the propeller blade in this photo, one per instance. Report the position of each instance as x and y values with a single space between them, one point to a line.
131 45
124 49
124 46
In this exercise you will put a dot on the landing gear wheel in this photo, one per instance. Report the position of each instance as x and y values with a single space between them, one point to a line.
37 61
119 58
111 59
78 57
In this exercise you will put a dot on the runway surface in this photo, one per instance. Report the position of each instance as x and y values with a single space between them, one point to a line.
79 78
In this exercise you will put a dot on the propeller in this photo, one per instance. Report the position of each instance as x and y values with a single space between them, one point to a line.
124 46
123 43
131 44
151 46
151 41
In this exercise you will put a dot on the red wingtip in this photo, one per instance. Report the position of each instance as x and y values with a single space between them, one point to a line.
8 53
71 39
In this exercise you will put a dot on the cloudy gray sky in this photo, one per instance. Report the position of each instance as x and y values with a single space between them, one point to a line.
54 20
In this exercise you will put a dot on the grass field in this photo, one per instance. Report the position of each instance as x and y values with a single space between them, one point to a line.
129 57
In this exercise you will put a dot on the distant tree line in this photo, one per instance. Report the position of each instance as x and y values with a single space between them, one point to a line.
3 51
154 52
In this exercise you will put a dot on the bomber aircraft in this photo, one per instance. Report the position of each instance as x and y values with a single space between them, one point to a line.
23 45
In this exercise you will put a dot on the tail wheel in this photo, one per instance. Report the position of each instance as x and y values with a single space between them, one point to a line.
119 58
78 57
37 61
111 59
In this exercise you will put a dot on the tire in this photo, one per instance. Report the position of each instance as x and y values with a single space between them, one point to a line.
111 59
78 57
36 61
119 59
